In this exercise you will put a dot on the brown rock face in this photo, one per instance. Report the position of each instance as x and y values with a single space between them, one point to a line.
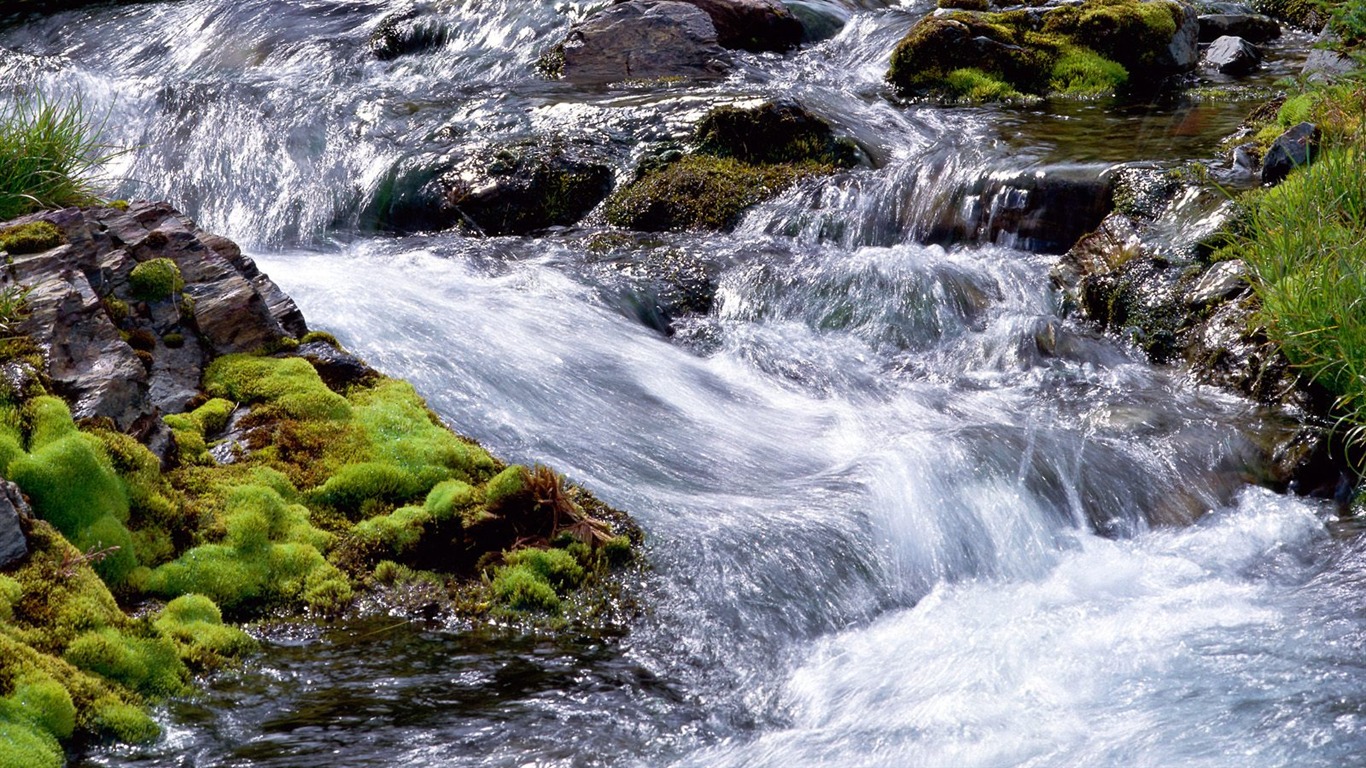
115 355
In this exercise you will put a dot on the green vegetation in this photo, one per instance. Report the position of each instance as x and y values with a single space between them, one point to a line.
1086 50
1306 242
743 157
34 237
49 152
155 279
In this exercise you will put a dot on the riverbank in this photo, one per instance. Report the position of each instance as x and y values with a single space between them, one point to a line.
168 412
843 401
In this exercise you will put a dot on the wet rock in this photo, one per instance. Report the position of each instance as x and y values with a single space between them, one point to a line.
13 509
410 30
509 190
1233 56
1324 64
743 157
752 25
776 132
639 40
1290 150
1249 26
1150 40
338 368
820 19
1043 211
115 352
1221 281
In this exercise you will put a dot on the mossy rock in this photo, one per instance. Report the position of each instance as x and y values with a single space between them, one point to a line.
776 132
702 192
34 237
1090 49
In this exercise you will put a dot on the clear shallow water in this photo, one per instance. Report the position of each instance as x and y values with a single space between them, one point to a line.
899 511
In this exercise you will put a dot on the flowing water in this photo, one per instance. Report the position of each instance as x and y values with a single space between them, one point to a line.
901 511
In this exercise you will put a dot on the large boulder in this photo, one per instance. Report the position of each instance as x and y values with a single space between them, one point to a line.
512 189
1088 48
127 307
752 25
1233 56
639 40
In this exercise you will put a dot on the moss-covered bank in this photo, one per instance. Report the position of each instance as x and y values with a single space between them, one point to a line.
295 482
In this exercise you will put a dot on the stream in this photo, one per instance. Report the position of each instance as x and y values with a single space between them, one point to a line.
900 510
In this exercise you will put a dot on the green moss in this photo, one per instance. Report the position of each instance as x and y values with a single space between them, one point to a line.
125 722
509 484
117 309
289 386
355 484
976 85
322 336
72 484
771 133
701 192
398 532
43 701
195 625
147 665
557 567
1081 72
173 340
24 744
1084 50
522 589
449 498
155 279
34 237
268 555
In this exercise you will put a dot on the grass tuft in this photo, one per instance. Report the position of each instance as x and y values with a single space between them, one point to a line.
50 154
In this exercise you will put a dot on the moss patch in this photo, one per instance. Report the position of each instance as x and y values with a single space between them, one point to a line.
33 237
702 192
1083 50
155 279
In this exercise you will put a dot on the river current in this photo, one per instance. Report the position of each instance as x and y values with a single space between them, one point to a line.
901 510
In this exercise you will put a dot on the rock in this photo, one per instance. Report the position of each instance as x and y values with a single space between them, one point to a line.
820 19
1290 150
407 31
1249 26
1233 55
112 354
1324 64
639 40
13 509
338 368
1008 57
752 25
1044 211
1223 280
743 157
776 132
509 190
